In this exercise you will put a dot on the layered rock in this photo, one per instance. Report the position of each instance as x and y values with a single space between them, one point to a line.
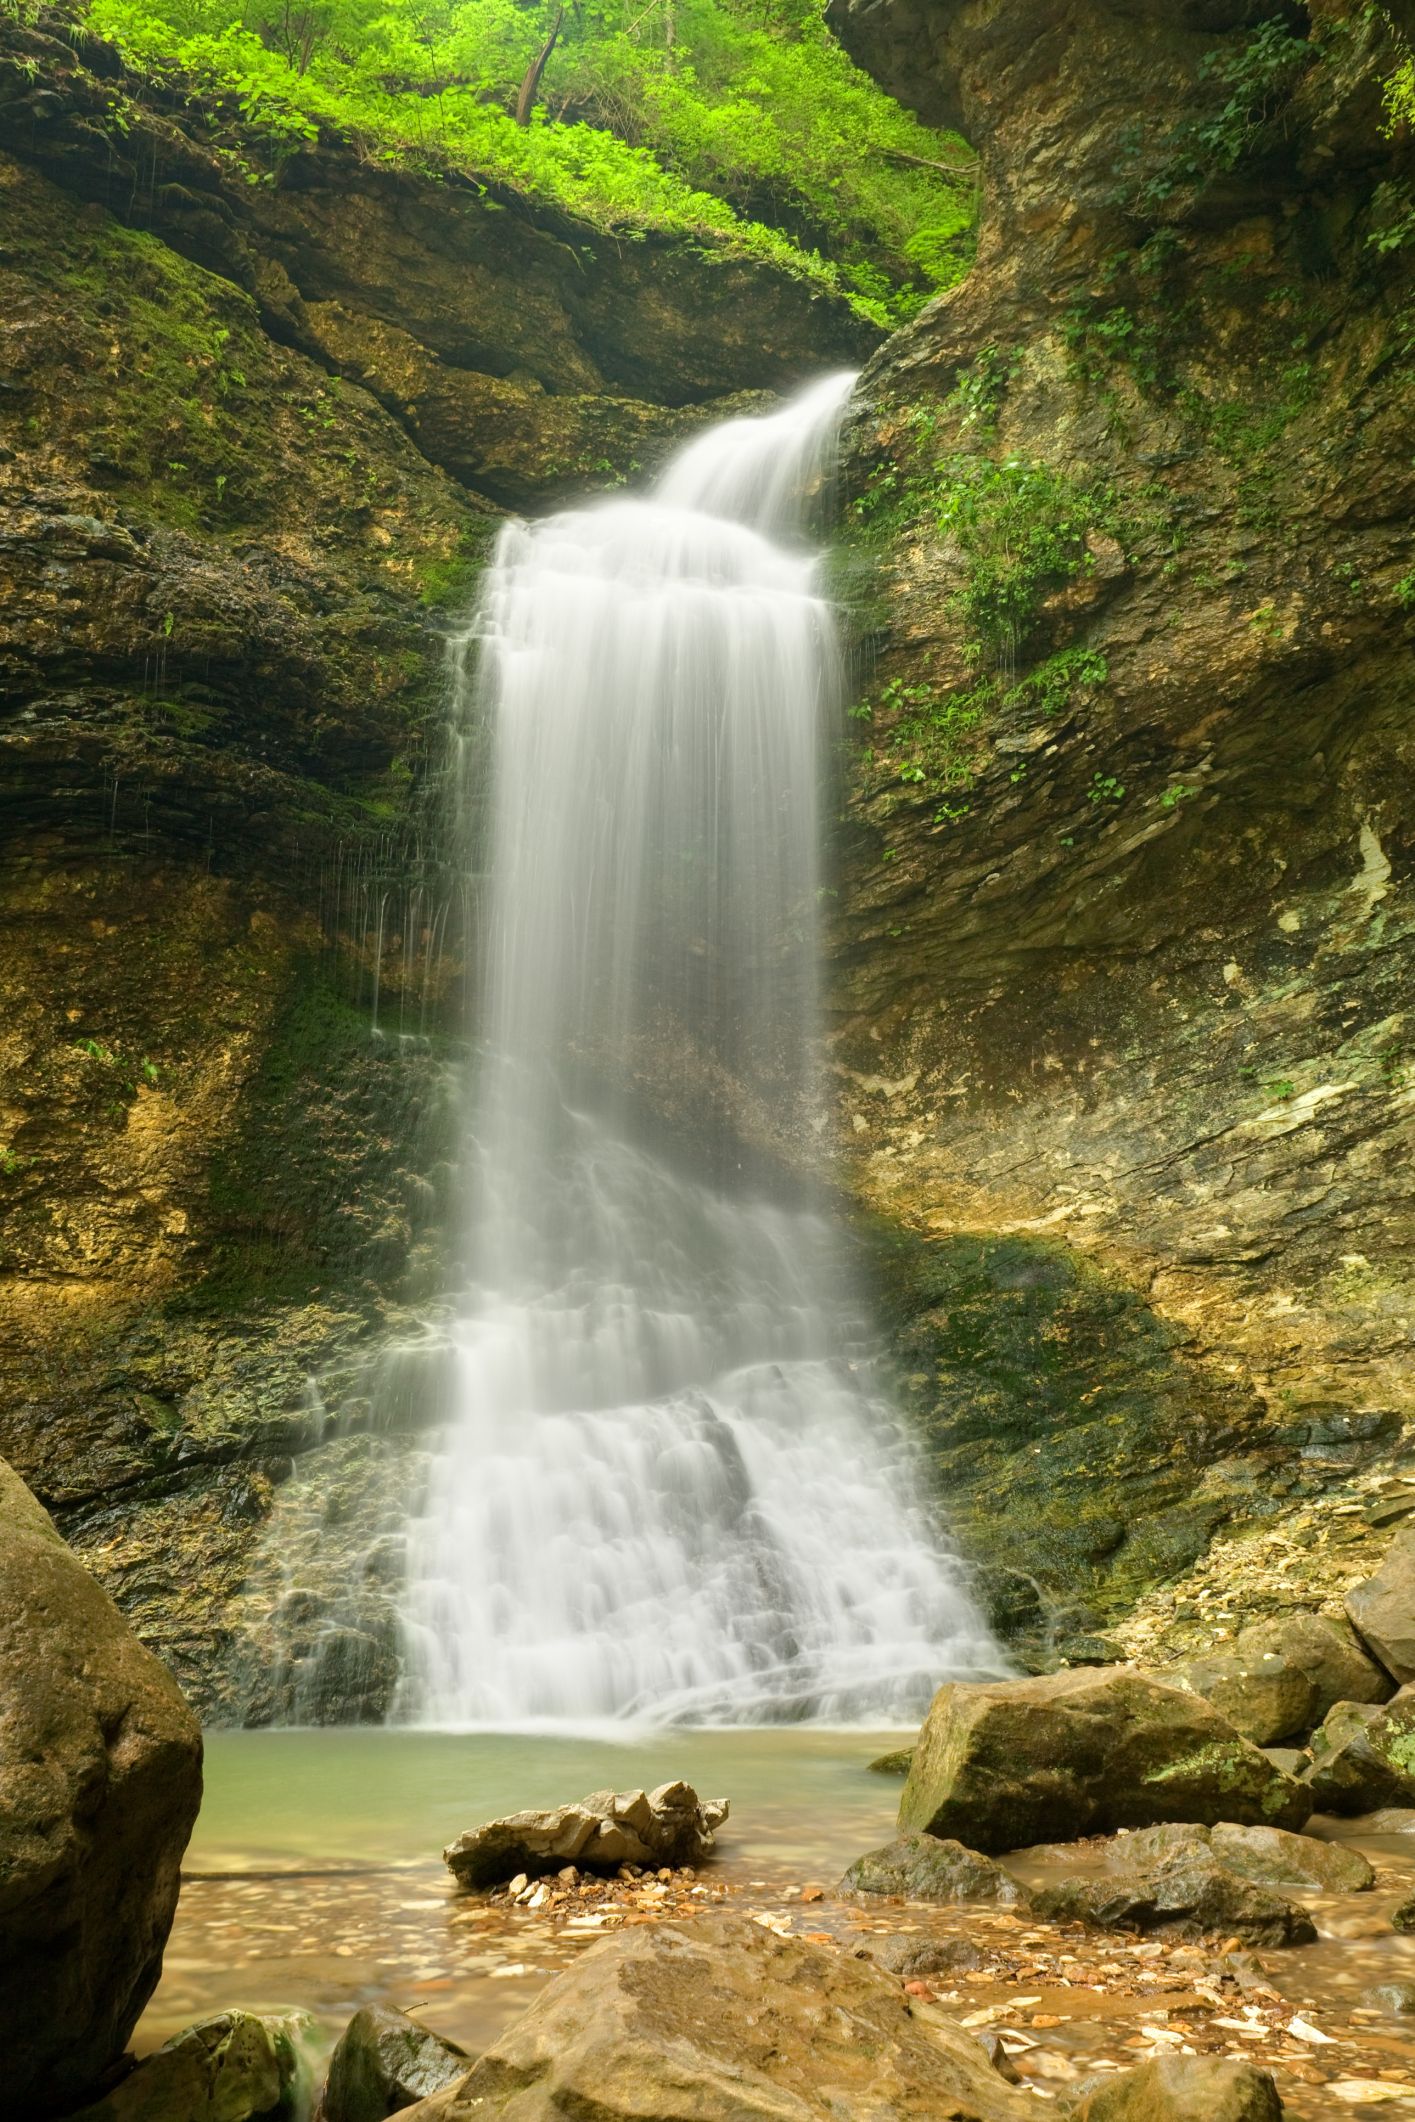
1125 928
670 1825
1003 1764
1182 1893
100 1760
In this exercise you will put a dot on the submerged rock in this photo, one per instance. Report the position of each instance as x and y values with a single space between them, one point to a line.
1397 1998
1363 1756
1186 1892
1185 2089
913 1957
1383 1608
724 2021
925 1868
1006 1763
382 2063
670 1825
235 2067
100 1764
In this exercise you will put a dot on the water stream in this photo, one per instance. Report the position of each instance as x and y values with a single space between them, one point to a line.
666 1486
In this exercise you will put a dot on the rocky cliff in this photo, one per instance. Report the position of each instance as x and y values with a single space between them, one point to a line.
259 416
1124 942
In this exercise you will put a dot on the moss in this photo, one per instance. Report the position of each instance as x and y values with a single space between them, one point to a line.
1034 1376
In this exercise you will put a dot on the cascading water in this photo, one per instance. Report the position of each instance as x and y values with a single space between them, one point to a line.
665 1486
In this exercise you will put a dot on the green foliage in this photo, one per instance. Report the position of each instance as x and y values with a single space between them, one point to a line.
128 1073
1253 81
738 122
1023 530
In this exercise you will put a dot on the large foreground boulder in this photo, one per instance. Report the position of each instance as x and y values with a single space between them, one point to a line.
1005 1763
1383 1608
100 1779
723 2021
670 1825
921 1868
235 2067
1363 1756
1185 2089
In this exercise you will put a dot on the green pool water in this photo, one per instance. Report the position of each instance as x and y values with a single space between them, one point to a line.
315 1880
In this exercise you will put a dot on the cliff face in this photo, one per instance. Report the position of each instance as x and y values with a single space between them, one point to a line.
258 422
1124 952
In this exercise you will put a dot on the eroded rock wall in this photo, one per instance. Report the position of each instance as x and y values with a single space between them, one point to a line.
1124 952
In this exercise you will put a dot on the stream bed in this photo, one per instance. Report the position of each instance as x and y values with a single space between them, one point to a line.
315 1880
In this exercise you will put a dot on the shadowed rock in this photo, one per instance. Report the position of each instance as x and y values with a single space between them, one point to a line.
1363 1756
1185 1892
670 1825
100 1764
383 2062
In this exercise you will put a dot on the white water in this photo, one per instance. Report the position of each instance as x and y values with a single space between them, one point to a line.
666 1488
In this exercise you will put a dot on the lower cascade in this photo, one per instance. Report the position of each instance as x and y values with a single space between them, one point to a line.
666 1486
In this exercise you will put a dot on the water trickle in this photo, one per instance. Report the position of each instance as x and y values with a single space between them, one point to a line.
666 1486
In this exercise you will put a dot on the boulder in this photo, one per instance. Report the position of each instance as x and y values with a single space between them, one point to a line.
1363 1756
1184 1891
1185 2089
1262 1696
670 1825
1403 1918
1382 1610
1390 1820
100 1765
1270 1856
895 1764
723 2021
923 1868
1002 1764
236 2067
1281 1677
1273 1857
384 2062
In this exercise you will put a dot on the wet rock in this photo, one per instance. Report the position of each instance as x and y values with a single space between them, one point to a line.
670 1825
913 1958
1185 2089
383 2062
725 2021
1006 1763
991 2045
1289 1760
1403 1917
1363 1756
1273 1857
1390 1820
925 1868
100 1762
1382 1610
1268 1855
895 1764
235 2067
1186 1893
1398 1998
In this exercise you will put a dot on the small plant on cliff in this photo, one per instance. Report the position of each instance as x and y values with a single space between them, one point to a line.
1023 530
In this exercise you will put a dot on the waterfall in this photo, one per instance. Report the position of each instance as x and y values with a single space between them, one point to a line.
665 1485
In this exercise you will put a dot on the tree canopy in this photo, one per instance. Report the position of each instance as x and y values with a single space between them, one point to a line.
738 122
